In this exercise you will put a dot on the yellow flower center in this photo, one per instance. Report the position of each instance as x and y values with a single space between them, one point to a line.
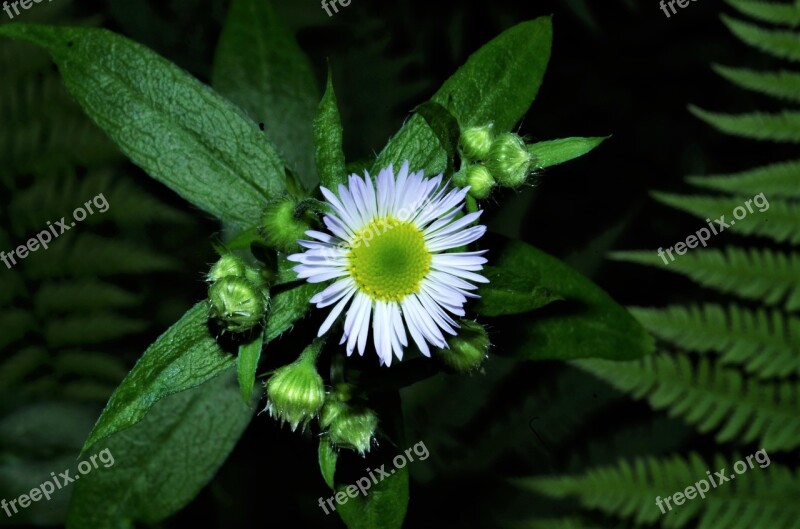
388 259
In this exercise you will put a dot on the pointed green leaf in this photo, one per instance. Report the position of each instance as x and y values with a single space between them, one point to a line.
328 140
161 464
445 128
497 84
177 129
780 127
184 357
247 364
260 67
554 152
509 292
588 323
327 461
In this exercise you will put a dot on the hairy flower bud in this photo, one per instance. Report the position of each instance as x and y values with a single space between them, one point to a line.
281 226
295 393
349 426
468 349
227 266
475 142
237 303
479 180
509 160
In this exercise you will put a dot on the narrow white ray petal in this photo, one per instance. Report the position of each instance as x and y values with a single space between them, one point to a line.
363 333
411 322
454 227
333 292
350 205
451 281
440 317
463 274
460 260
429 329
337 206
456 239
353 319
335 312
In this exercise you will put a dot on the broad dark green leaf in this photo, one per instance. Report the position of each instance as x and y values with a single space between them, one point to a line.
160 464
178 130
446 129
247 364
509 292
554 152
497 84
260 67
328 140
587 324
185 356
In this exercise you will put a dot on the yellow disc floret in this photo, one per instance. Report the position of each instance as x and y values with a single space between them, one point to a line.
388 259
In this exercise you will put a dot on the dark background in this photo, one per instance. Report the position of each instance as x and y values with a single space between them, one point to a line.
617 68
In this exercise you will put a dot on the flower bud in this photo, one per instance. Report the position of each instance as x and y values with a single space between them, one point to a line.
467 350
475 142
509 160
295 393
479 180
237 303
281 227
228 266
349 426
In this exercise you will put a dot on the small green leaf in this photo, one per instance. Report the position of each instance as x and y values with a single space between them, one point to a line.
509 292
161 464
554 152
177 129
588 323
327 461
328 140
497 84
185 356
260 67
446 129
247 364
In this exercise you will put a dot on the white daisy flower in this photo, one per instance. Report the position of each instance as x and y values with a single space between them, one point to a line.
387 251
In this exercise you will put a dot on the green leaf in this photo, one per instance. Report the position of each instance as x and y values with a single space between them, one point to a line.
509 292
780 127
184 357
772 12
260 67
782 84
288 306
589 323
446 129
497 84
177 129
164 461
778 180
247 364
780 43
554 152
327 461
328 140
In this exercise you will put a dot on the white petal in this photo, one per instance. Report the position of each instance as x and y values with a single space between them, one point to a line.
455 240
326 325
333 293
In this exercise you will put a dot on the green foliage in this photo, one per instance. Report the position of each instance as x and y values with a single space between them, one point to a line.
260 68
555 152
498 84
780 43
778 180
629 490
162 463
782 126
589 324
328 151
781 84
247 364
511 292
191 139
445 128
772 12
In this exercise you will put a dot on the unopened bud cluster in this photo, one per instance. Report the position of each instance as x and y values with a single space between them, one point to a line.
492 160
237 295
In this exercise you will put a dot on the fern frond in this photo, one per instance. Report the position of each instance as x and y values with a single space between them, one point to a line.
89 255
759 274
88 330
20 365
14 324
570 522
629 490
767 343
781 224
782 84
90 365
773 12
780 43
780 127
711 397
779 180
82 296
11 286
